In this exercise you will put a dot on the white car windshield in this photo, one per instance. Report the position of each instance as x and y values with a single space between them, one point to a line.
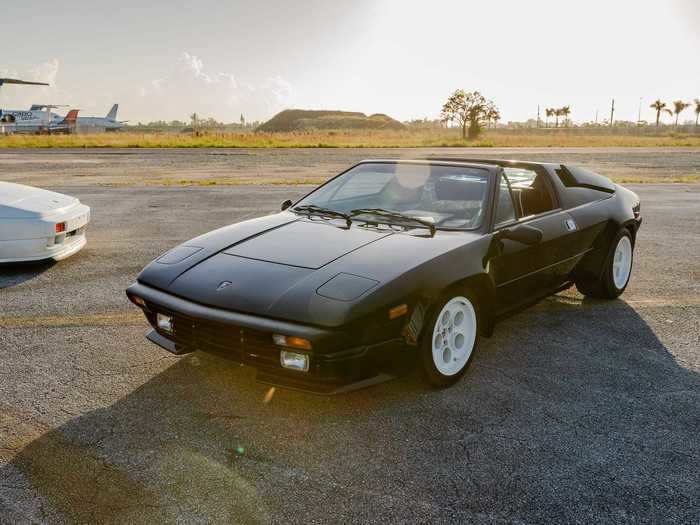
449 197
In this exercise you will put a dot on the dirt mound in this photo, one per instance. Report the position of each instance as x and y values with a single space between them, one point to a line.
301 119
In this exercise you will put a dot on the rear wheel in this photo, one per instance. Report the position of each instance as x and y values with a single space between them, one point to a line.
616 270
450 339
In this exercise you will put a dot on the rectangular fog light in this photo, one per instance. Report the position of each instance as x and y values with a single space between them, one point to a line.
164 322
294 361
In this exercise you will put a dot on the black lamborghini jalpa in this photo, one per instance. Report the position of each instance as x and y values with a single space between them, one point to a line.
390 259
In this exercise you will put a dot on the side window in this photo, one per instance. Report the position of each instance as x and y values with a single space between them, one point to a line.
531 192
505 211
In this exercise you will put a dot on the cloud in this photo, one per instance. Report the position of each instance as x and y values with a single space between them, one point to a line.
20 96
191 87
43 72
46 72
195 67
280 89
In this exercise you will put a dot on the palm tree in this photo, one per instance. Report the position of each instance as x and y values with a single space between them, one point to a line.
549 112
658 106
697 110
565 111
557 114
678 107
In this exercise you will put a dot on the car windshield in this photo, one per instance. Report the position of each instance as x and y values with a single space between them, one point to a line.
449 197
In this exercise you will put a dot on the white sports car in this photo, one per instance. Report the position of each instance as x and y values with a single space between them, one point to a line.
37 224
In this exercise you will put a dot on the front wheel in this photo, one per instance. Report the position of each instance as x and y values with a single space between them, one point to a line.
450 340
616 270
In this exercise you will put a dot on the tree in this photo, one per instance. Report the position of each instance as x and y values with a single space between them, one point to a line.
194 118
549 112
678 107
659 106
493 115
565 112
470 110
557 114
242 121
697 110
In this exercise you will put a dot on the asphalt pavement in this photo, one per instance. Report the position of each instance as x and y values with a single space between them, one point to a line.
575 411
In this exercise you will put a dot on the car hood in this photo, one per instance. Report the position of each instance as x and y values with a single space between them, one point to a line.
255 273
26 202
285 267
305 244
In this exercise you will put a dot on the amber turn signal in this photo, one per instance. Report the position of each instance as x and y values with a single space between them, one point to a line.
398 311
292 341
138 301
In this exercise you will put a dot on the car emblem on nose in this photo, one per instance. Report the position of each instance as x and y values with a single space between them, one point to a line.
223 285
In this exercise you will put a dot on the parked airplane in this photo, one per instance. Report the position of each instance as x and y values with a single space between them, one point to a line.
34 120
39 119
108 122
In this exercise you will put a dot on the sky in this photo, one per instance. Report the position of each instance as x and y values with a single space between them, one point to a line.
166 59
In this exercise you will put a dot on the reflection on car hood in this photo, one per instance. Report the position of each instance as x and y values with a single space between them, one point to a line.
263 268
306 244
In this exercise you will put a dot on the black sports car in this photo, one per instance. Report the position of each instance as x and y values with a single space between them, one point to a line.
387 259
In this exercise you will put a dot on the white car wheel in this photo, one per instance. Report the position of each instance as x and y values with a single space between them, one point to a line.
454 335
622 262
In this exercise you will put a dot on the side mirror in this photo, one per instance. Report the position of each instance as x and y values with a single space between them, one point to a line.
286 204
523 233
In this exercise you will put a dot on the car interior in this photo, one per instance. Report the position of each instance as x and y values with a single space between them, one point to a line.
451 201
531 194
448 198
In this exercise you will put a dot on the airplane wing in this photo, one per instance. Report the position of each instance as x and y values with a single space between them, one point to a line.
24 82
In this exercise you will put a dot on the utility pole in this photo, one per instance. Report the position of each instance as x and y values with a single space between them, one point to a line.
612 112
639 113
596 116
538 115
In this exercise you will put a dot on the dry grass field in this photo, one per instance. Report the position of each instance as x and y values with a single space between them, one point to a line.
352 139
308 166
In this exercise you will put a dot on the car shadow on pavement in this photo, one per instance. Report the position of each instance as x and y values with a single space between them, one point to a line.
573 412
18 273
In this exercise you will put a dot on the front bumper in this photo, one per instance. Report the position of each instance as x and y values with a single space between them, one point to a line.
35 250
336 364
36 240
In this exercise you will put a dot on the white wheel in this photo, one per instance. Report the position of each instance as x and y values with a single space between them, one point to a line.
622 262
454 335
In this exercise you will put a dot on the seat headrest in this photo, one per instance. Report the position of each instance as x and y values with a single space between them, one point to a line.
459 189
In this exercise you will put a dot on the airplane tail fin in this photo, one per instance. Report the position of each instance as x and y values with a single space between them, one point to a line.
112 115
71 117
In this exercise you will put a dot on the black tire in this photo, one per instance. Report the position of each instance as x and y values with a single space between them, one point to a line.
604 287
433 374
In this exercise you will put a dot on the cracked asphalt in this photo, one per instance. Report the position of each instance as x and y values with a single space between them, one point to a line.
575 411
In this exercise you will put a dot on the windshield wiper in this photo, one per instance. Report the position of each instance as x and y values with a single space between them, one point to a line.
312 209
394 215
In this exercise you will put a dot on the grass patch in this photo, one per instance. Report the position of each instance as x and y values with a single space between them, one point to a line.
688 179
350 139
234 182
683 179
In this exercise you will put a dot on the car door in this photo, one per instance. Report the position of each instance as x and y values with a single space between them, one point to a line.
524 272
